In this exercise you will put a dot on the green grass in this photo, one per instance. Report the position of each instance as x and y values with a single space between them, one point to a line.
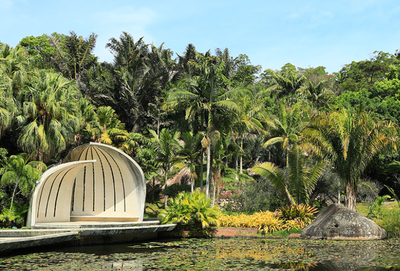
388 217
282 233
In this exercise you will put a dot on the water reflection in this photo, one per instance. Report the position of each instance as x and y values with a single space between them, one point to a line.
219 254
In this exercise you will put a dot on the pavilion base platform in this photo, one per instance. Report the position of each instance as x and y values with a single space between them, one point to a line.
80 234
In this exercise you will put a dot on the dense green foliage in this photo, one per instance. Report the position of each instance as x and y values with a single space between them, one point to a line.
202 119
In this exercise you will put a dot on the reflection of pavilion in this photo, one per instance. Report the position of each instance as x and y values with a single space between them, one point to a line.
96 183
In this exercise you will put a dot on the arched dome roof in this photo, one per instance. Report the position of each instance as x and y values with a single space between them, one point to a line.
96 181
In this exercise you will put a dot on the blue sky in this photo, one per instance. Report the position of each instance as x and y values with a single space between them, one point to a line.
306 33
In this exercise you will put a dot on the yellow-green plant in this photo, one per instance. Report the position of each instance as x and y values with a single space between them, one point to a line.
192 212
301 214
263 221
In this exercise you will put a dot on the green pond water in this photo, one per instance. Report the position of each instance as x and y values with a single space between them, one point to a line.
217 254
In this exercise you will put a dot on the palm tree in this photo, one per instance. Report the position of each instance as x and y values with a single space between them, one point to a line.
251 115
318 93
14 74
285 129
131 74
74 55
190 153
16 171
50 115
287 85
299 177
204 100
350 140
166 146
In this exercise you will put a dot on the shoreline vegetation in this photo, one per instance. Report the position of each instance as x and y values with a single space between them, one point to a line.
253 140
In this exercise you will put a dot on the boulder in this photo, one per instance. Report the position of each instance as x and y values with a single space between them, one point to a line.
339 223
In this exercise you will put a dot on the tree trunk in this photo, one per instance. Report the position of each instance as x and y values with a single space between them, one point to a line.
13 196
166 197
214 191
208 170
201 169
290 198
236 168
350 197
241 157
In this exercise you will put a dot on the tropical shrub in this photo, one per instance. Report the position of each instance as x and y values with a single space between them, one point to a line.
301 214
9 218
368 191
192 212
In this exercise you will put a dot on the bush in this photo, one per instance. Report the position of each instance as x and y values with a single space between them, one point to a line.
192 212
261 195
9 218
368 191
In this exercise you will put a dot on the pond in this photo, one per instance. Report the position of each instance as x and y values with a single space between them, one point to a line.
217 254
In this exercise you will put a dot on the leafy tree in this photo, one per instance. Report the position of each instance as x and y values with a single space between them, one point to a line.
74 54
41 49
350 140
141 73
363 74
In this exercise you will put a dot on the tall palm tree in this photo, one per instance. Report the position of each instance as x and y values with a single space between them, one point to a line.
166 146
350 140
50 115
251 115
204 100
74 55
130 72
190 154
14 74
287 85
285 129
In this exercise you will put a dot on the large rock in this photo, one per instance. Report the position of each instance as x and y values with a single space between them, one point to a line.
339 223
